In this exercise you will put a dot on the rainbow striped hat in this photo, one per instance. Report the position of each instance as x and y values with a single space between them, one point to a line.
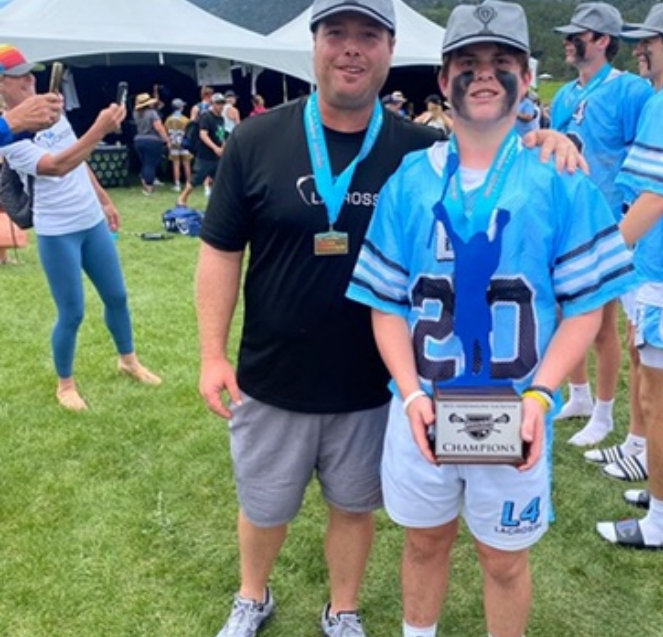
13 62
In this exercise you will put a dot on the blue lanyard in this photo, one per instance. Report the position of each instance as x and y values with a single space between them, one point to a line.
453 199
564 109
334 189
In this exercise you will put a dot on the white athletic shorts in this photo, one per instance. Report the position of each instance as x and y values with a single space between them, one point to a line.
504 508
628 303
649 334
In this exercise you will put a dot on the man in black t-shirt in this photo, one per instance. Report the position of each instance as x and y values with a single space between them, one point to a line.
209 149
298 186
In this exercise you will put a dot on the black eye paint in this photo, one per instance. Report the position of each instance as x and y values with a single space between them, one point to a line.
510 83
580 46
461 84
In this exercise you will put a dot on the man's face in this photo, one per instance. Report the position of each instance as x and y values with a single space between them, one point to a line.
649 53
217 107
484 83
583 48
352 54
15 89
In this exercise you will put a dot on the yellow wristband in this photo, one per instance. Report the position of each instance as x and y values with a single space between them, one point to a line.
539 397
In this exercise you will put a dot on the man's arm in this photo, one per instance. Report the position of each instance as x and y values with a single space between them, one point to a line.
34 113
207 140
567 156
395 345
108 121
217 289
642 215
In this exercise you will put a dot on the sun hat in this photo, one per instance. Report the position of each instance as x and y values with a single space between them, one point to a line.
143 100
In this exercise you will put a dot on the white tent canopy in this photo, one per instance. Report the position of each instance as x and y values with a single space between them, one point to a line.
57 29
418 40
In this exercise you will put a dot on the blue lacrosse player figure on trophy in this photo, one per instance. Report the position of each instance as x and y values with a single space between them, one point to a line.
476 260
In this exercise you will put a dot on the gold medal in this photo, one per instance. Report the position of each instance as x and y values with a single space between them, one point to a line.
332 243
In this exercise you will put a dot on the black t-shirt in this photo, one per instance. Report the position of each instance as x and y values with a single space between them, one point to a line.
305 347
213 124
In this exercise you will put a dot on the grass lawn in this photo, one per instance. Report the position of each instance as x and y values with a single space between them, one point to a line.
120 522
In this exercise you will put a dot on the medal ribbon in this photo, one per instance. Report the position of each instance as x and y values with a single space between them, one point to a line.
564 109
453 199
334 189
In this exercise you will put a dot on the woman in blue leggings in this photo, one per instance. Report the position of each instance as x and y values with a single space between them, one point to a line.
73 219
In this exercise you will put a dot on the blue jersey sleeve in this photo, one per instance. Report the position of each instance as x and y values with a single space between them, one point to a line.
380 277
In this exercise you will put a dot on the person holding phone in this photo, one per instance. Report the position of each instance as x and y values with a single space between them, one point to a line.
33 114
73 217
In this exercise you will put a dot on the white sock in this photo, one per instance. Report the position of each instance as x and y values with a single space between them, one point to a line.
411 631
582 392
634 444
602 411
652 524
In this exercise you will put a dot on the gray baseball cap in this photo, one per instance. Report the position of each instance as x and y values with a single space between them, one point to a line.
599 17
381 11
652 26
491 21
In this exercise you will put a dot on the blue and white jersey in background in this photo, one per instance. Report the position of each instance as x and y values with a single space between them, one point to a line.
560 247
643 171
604 126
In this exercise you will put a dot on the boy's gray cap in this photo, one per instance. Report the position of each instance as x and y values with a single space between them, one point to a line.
491 21
652 26
599 17
381 11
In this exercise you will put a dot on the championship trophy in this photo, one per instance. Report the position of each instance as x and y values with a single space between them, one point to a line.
477 417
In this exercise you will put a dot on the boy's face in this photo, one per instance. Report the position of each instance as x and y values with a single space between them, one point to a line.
484 82
649 53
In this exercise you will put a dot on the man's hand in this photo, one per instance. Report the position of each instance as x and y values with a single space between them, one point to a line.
421 414
35 113
567 155
532 431
109 120
216 377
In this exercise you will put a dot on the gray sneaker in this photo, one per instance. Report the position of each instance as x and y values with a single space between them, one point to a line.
248 616
344 624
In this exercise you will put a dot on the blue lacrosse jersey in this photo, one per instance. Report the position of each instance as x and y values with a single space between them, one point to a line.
560 248
604 125
643 172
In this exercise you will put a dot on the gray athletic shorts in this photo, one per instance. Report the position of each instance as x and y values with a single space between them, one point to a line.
276 453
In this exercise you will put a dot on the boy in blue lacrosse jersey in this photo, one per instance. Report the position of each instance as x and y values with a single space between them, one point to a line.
473 246
599 111
641 179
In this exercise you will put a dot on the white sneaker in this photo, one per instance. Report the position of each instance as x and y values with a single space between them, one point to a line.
248 616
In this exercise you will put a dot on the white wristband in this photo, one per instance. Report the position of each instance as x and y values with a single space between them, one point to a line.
412 397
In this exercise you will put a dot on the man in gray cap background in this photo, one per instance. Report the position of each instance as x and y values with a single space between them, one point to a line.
641 180
453 230
600 112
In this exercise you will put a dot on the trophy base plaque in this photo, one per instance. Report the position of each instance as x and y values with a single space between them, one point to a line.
478 425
